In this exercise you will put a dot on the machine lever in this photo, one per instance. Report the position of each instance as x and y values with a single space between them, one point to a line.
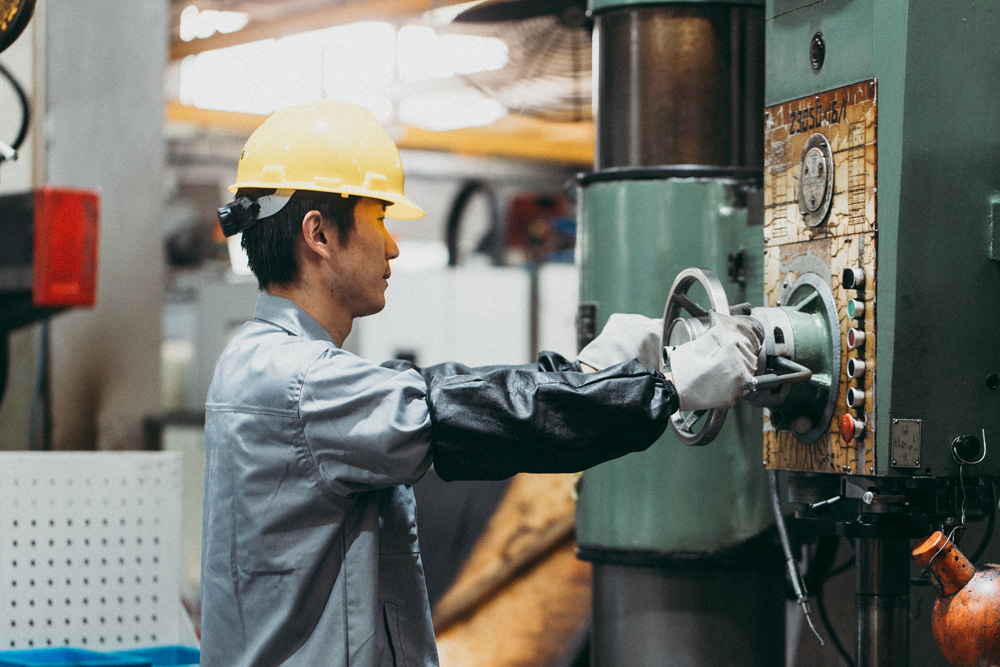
825 503
793 373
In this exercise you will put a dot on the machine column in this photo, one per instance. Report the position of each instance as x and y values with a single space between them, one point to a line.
678 576
882 602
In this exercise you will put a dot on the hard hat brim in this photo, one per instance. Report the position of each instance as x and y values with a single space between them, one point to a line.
400 207
404 209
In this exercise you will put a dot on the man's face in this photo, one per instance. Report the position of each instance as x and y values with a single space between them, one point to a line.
361 266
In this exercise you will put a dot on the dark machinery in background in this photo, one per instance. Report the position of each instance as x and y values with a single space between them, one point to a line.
48 258
14 18
872 223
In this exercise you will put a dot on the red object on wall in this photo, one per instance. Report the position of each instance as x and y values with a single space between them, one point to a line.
64 270
528 216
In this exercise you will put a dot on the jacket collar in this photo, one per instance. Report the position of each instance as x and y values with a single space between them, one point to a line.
289 316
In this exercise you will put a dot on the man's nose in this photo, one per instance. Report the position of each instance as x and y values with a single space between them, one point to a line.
391 249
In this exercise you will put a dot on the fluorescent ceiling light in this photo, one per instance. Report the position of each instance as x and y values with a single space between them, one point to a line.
260 77
422 54
363 63
197 24
359 65
449 110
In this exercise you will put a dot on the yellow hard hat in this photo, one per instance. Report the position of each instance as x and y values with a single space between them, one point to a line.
327 147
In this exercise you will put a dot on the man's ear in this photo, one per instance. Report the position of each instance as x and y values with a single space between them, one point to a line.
316 234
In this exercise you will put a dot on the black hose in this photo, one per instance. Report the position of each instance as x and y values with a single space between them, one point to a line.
25 107
821 562
841 568
825 619
821 570
493 240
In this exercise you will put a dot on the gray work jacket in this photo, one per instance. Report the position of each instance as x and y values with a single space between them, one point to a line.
310 553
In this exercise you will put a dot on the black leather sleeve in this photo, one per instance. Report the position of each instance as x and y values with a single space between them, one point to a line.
496 422
547 361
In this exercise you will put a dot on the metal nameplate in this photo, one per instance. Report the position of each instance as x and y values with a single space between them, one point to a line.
906 443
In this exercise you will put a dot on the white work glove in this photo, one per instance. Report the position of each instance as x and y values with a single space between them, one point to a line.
623 338
712 370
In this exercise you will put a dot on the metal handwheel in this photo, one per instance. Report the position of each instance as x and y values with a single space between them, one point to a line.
679 329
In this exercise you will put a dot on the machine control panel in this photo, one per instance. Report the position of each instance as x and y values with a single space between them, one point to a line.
820 226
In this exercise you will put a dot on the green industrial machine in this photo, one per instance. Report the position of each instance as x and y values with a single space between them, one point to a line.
678 183
882 168
856 205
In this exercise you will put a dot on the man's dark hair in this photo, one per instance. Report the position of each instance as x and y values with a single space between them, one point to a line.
270 243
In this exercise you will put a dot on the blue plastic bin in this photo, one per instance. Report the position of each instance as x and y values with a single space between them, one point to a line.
68 657
176 656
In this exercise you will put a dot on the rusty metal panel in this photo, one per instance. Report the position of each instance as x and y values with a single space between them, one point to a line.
822 219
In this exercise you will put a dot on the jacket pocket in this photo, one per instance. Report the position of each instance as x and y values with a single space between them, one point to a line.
390 613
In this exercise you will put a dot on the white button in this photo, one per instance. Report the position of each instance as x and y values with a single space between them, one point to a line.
855 398
853 278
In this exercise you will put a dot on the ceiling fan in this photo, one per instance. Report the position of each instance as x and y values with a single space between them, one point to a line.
548 73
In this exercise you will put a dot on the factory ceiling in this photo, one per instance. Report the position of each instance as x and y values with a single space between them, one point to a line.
537 136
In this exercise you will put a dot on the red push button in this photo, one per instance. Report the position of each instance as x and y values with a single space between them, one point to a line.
851 428
855 338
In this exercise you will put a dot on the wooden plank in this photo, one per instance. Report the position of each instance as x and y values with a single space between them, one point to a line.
515 137
210 119
539 611
518 137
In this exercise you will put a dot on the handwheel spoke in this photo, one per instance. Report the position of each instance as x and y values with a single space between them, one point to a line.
692 419
687 304
805 302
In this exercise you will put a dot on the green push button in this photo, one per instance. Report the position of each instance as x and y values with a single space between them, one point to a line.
855 309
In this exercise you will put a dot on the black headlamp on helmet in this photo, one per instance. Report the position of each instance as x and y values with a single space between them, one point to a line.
243 212
237 215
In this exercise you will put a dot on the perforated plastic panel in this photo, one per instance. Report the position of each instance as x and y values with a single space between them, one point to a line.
89 549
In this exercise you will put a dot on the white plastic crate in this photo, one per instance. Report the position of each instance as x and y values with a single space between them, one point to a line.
90 549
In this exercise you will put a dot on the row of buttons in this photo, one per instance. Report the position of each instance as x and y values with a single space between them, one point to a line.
850 426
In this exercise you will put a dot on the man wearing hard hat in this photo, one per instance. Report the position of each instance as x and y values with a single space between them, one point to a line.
310 553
